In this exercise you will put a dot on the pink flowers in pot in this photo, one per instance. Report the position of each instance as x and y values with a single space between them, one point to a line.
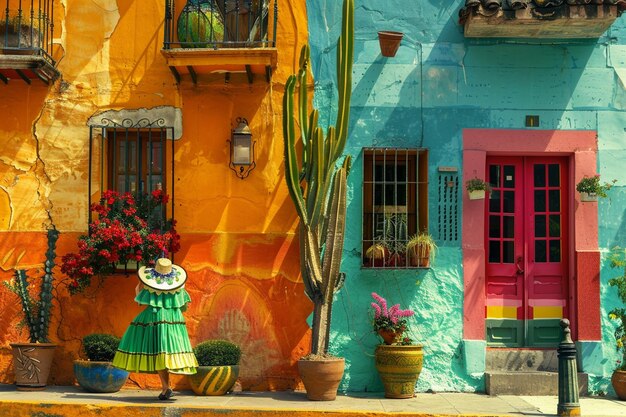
390 321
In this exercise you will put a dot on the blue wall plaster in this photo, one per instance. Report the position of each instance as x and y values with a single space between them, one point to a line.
439 83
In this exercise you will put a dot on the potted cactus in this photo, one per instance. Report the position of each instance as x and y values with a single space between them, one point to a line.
32 361
317 185
96 374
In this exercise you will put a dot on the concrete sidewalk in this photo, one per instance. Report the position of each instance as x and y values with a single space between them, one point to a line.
68 401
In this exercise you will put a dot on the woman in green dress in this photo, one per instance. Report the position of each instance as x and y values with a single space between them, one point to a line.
157 340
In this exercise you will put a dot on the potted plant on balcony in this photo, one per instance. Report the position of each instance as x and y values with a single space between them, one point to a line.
218 368
200 25
617 259
125 231
96 374
317 186
477 188
32 361
590 188
398 360
421 249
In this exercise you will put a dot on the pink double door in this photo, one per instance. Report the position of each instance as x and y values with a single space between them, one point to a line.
526 244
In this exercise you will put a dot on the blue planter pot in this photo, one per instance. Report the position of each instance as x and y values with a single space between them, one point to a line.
99 376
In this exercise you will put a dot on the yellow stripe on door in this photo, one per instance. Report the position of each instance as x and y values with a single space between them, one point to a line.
548 312
501 312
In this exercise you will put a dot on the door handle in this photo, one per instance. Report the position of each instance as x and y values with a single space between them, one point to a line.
520 270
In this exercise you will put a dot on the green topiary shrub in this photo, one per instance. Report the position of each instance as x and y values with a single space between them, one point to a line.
217 353
100 347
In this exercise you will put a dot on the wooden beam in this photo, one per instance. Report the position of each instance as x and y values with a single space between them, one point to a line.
175 73
45 80
192 72
4 79
250 74
23 76
268 73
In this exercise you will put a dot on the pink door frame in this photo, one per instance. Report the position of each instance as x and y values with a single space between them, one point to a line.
584 260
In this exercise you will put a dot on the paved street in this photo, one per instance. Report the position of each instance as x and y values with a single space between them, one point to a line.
73 401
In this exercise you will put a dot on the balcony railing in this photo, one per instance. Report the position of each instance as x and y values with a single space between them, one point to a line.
26 38
220 24
27 28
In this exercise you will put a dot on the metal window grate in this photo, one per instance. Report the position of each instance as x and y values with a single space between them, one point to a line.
394 204
130 156
448 210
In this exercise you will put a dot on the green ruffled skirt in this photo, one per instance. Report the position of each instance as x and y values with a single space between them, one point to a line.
157 338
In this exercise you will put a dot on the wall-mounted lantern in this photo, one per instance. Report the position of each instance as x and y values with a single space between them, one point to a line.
242 149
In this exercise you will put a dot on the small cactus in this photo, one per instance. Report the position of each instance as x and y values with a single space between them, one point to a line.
37 312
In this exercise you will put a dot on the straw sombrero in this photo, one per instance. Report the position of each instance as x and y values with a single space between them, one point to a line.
165 276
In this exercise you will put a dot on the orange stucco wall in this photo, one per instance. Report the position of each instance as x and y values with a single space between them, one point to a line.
237 236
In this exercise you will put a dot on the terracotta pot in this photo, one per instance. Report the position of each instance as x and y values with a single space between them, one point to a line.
95 376
389 42
420 256
321 378
389 336
618 380
396 260
32 362
213 380
399 368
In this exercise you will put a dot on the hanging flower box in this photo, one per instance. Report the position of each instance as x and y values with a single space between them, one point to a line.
476 195
590 188
588 197
477 189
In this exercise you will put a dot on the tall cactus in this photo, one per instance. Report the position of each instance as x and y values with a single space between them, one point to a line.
317 185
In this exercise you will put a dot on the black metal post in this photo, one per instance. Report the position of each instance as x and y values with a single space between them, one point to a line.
568 374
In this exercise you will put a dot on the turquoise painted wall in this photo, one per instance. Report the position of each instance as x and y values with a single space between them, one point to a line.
438 84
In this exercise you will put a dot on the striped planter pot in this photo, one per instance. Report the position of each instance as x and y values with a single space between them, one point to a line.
214 380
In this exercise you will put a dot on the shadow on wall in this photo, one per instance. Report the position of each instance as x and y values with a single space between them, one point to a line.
610 213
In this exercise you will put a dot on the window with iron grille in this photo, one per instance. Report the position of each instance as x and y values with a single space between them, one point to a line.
130 157
395 205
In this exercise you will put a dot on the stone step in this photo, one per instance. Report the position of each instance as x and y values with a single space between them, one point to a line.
528 383
521 360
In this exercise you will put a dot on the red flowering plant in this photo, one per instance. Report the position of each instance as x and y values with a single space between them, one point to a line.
390 323
125 230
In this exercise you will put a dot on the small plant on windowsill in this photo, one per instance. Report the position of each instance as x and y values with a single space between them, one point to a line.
477 188
377 254
126 230
590 188
421 249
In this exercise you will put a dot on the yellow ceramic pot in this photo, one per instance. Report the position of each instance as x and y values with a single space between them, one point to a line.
399 368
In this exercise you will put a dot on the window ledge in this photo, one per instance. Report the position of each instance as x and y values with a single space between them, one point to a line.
560 22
